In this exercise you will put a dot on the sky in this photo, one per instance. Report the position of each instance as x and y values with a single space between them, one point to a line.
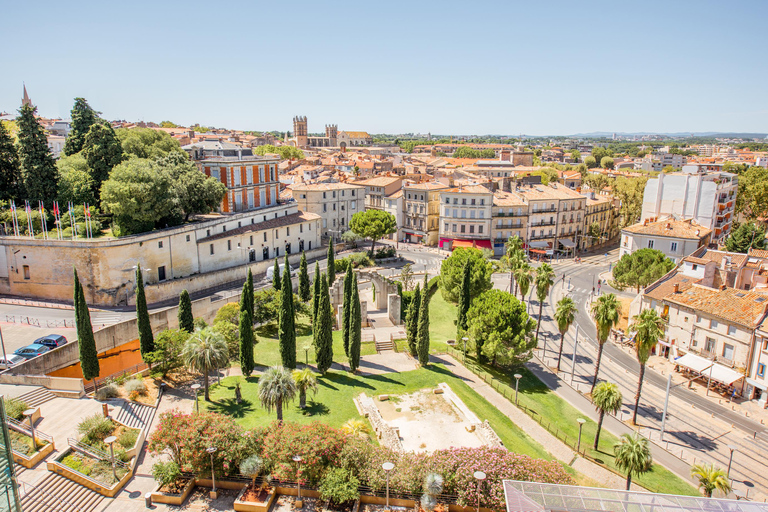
472 67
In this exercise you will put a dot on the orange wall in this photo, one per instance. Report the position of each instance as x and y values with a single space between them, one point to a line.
111 361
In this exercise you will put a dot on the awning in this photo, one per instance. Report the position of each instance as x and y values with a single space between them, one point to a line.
479 244
756 384
725 375
694 362
567 243
538 251
708 369
537 244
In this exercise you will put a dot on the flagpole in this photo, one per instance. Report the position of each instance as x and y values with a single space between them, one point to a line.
15 218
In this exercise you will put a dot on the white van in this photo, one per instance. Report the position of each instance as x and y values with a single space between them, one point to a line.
271 271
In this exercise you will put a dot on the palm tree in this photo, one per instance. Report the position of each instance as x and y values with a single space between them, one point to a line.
545 278
523 275
515 257
356 428
606 311
649 328
606 398
276 386
305 381
711 479
633 455
204 350
565 314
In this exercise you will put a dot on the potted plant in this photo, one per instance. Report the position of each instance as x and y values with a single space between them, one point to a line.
339 488
433 485
172 487
253 497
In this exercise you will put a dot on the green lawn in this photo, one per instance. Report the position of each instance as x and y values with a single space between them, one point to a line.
442 325
333 402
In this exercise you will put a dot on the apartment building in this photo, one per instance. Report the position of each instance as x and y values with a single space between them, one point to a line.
422 212
509 218
675 238
465 217
599 210
376 189
335 203
555 218
394 204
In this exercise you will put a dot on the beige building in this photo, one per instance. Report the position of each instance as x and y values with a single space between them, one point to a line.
675 238
422 212
509 218
600 211
465 217
376 189
555 218
335 203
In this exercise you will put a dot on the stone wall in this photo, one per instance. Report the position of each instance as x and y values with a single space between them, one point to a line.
386 434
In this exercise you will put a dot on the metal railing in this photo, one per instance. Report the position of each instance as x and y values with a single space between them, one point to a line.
90 387
26 430
94 453
49 500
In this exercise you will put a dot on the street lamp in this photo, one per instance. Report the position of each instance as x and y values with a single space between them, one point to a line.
733 448
480 476
465 340
29 413
297 460
387 467
196 387
211 450
110 441
581 421
517 382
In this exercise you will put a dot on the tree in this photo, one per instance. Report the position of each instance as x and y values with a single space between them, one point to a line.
501 328
606 398
83 117
565 314
606 311
452 273
599 153
204 350
412 322
523 275
641 268
316 293
285 152
89 357
147 143
545 278
596 182
576 155
331 270
252 467
38 168
465 300
515 257
323 331
102 151
168 346
75 181
606 162
276 280
633 455
356 328
752 196
422 334
305 381
747 235
246 343
251 300
594 232
590 162
146 339
286 333
304 293
345 310
711 478
649 328
629 191
195 192
11 181
186 320
276 386
373 224
406 277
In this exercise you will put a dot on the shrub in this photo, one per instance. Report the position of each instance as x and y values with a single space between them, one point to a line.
360 259
136 385
339 486
128 437
14 408
166 473
107 392
385 252
95 428
134 395
252 467
76 463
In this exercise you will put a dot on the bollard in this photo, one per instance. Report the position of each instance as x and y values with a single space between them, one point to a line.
148 500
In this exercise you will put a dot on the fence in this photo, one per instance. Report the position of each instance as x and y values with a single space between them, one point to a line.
94 452
90 387
25 429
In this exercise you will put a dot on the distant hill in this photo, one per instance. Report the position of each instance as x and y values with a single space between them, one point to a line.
716 135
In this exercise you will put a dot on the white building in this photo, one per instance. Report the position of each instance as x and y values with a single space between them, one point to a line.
675 238
465 217
335 203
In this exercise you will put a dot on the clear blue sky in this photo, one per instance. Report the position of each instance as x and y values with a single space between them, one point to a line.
554 67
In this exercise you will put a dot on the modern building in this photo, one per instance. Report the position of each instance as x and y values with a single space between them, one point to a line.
335 203
422 212
465 217
675 238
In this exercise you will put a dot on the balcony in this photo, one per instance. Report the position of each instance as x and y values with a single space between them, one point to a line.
542 237
543 210
543 223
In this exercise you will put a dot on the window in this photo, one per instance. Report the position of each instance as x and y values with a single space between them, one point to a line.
760 370
728 351
447 200
301 228
454 230
160 244
480 230
207 232
333 194
265 236
161 273
472 228
731 330
211 247
463 228
26 272
288 231
713 324
325 207
464 201
187 238
673 247
324 195
354 204
710 345
650 244
229 245
446 227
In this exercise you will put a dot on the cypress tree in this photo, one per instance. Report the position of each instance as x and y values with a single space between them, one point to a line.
286 334
83 117
423 328
186 320
246 343
304 293
356 327
38 168
412 321
324 331
331 264
276 276
147 341
11 182
89 357
464 300
251 298
316 293
102 151
246 296
345 311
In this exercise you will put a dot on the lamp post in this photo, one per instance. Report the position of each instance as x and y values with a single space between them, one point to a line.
733 448
465 340
28 413
211 450
196 388
517 382
110 441
297 460
581 421
480 476
387 467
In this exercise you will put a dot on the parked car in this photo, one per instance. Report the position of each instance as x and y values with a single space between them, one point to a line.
33 350
51 341
10 360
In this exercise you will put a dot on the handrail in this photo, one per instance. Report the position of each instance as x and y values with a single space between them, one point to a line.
94 452
91 386
25 429
45 496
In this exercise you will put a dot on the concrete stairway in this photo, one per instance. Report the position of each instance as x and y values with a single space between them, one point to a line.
54 493
36 397
134 415
384 345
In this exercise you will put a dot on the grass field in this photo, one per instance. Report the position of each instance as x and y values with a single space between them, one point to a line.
442 325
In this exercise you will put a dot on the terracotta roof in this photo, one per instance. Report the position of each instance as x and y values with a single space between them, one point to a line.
325 186
468 189
548 192
666 285
357 135
758 253
396 195
430 185
688 229
380 181
285 220
705 256
733 305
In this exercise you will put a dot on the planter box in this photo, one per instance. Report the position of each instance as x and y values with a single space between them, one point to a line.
173 499
252 506
30 462
101 488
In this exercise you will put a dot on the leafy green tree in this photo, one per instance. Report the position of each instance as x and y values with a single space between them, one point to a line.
168 346
195 192
633 455
331 270
576 155
11 181
276 279
513 258
629 191
285 152
345 310
102 151
606 311
649 328
38 168
596 182
606 397
147 143
565 314
500 328
75 181
204 350
412 322
168 124
422 334
606 162
356 328
373 224
465 300
276 386
305 381
304 292
711 478
247 301
287 321
323 331
146 339
752 196
748 235
599 153
641 268
545 278
83 117
89 357
246 343
452 273
590 162
186 319
316 283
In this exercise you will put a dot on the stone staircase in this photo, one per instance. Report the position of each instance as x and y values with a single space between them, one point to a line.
54 493
134 415
36 397
382 345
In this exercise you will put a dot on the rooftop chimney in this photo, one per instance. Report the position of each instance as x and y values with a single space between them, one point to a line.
677 287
